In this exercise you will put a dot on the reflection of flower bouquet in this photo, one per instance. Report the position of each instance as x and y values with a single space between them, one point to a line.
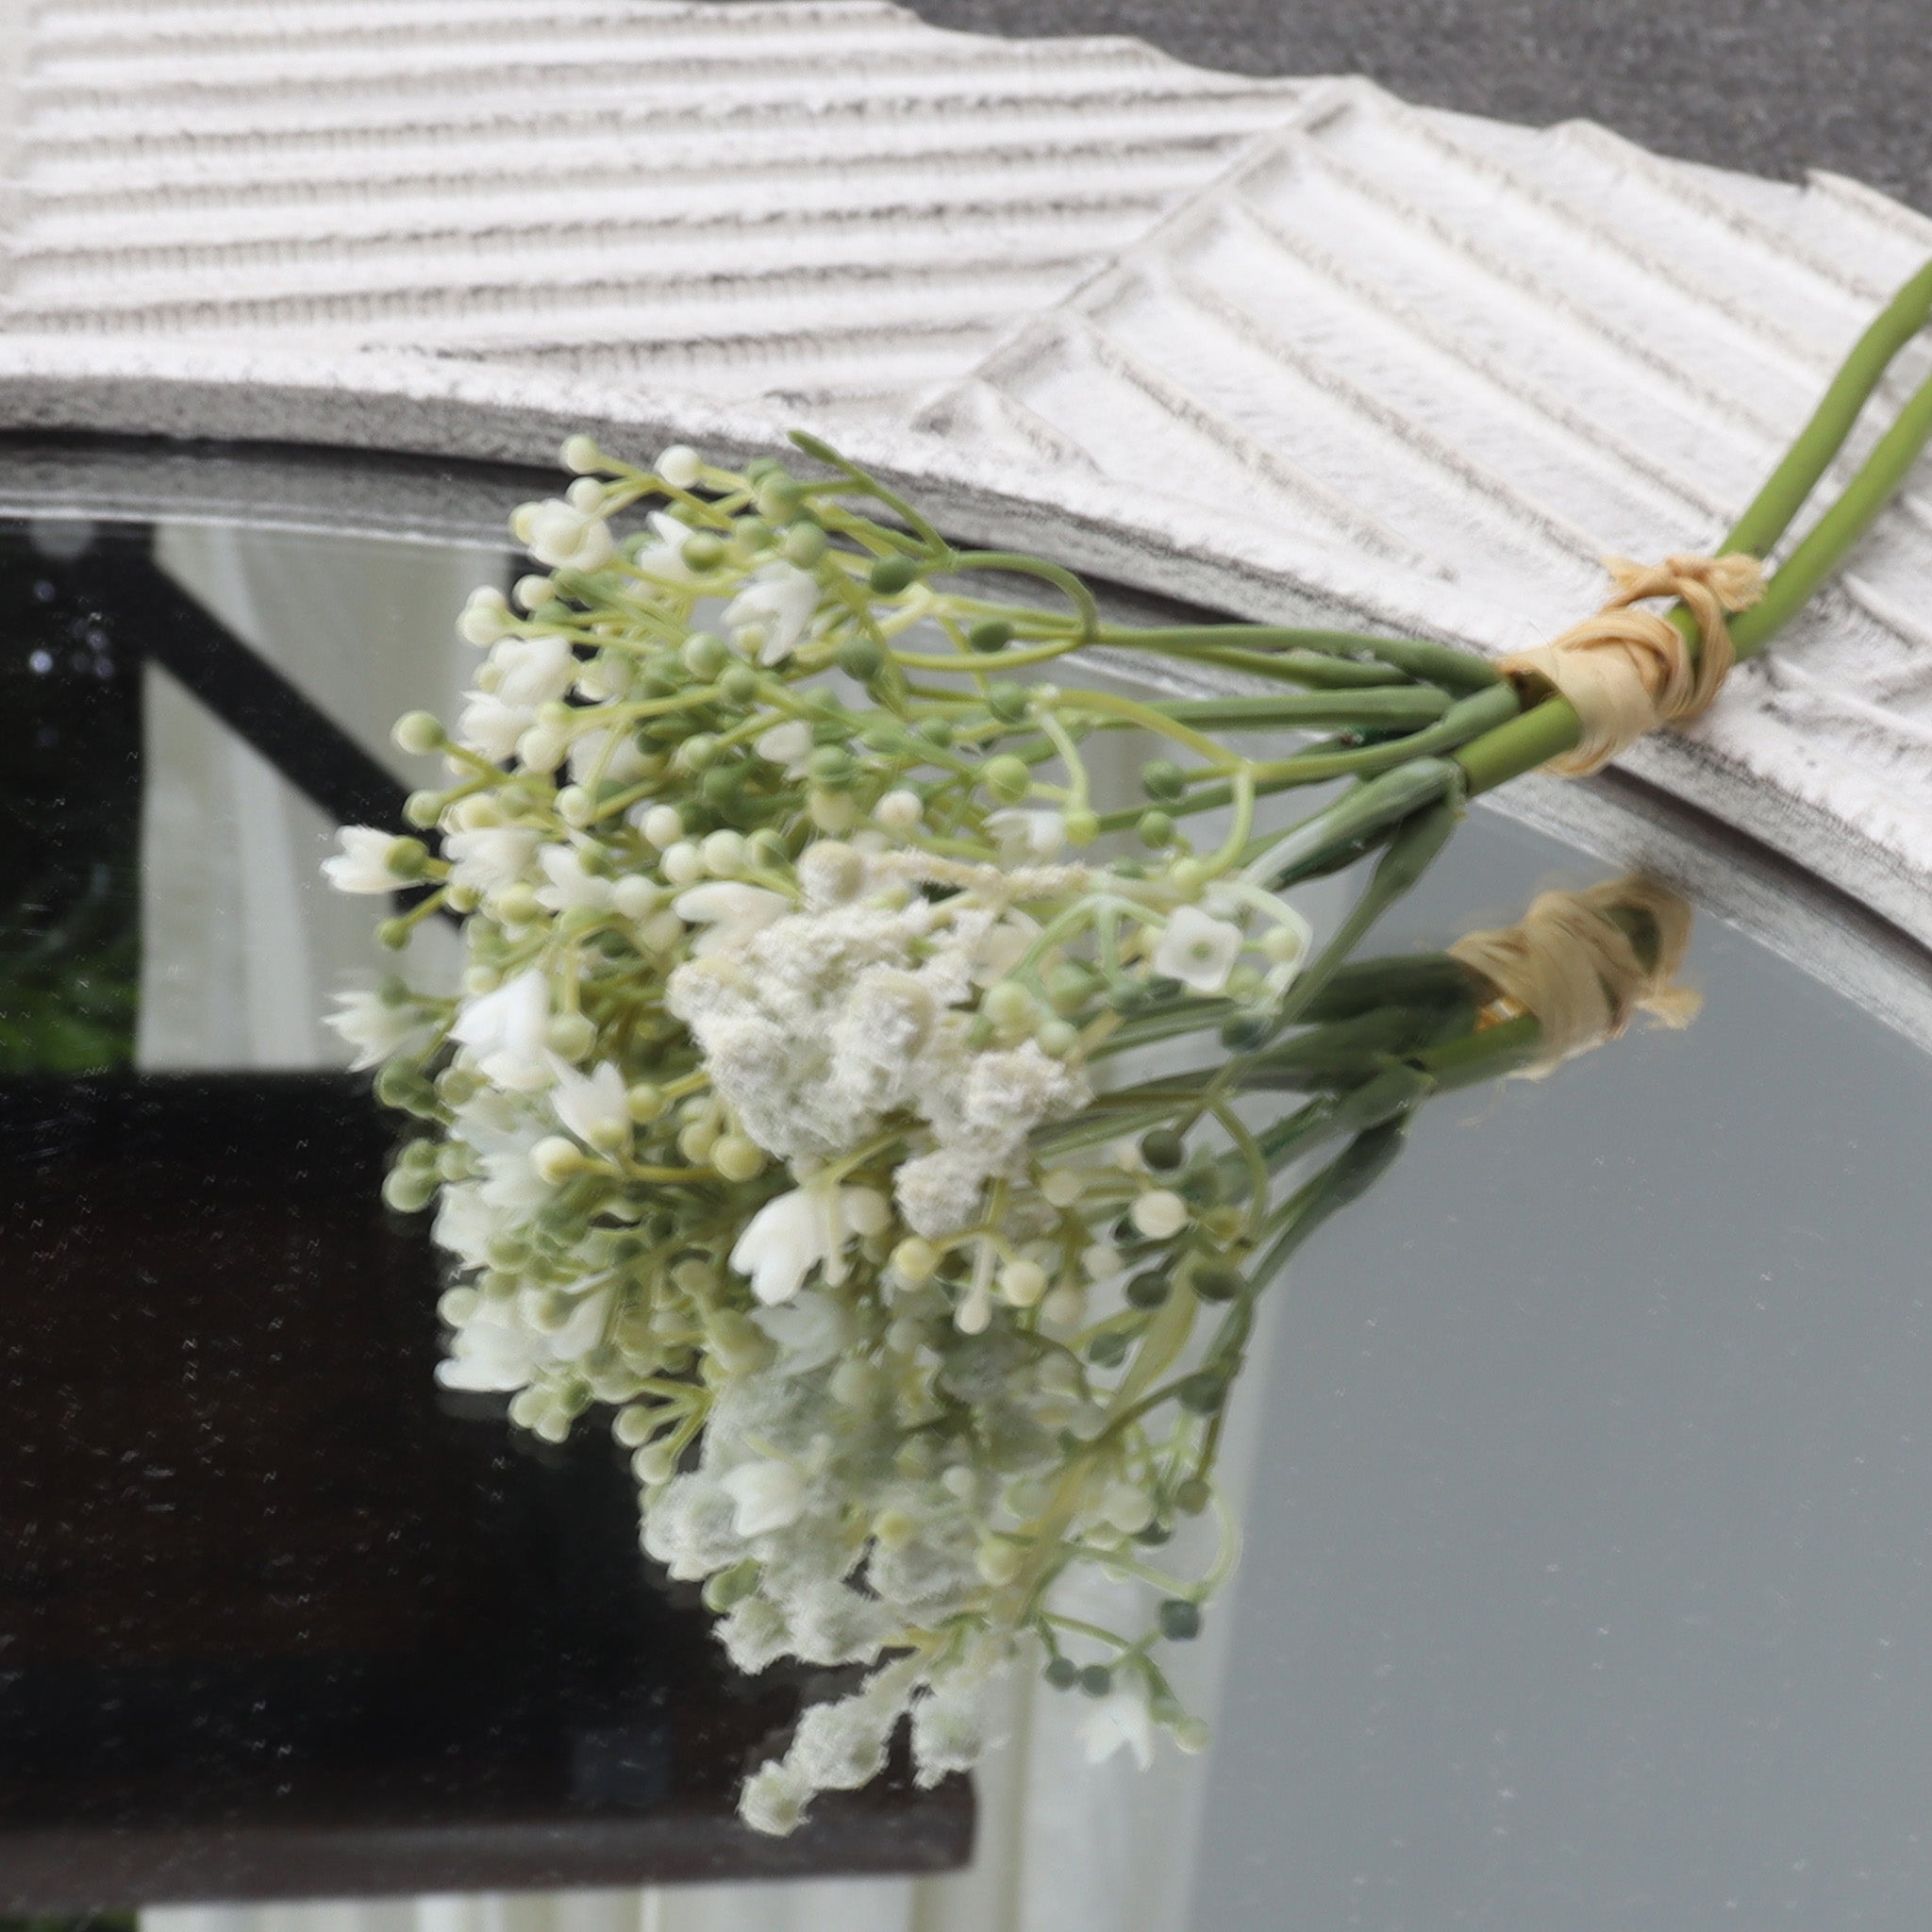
802 1101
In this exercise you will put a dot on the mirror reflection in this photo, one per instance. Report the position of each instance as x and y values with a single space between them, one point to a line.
1576 1466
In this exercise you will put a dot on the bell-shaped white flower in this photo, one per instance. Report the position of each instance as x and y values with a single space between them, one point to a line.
569 884
562 536
592 1105
765 1495
799 1231
377 1026
363 863
664 560
1198 950
533 671
489 725
507 1032
1026 838
1119 1719
771 611
491 857
730 911
787 744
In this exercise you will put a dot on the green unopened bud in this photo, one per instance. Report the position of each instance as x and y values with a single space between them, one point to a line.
423 808
860 658
738 684
1109 1349
1083 828
407 858
1011 1008
697 751
1062 1672
1147 1290
706 654
1216 1283
831 766
803 545
725 1588
518 904
1163 779
937 732
1058 1038
754 533
1154 830
990 634
1097 1680
1006 778
571 1034
1007 701
646 1102
702 550
1202 1392
779 498
418 733
891 575
1179 1619
408 1190
1193 1496
1163 1149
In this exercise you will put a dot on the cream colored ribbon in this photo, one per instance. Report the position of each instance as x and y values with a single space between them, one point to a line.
1572 964
1627 671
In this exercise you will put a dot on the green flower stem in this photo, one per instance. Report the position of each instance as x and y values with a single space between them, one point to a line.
1552 727
1377 709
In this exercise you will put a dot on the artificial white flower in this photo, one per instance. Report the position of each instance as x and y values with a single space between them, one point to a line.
362 864
1198 950
1026 838
730 911
681 466
569 883
485 618
664 560
377 1026
810 1329
613 756
489 725
787 744
507 1032
765 1495
773 1799
592 1105
491 857
531 670
1120 1718
771 611
799 1231
560 536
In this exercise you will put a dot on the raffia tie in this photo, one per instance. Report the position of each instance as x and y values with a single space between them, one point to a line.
1627 670
1574 965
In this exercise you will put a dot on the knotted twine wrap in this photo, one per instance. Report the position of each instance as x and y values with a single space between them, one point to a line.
1627 671
1574 965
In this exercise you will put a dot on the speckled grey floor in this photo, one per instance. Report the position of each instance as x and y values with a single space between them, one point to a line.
1772 86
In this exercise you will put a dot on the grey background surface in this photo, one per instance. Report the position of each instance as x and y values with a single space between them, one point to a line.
1772 86
1588 1580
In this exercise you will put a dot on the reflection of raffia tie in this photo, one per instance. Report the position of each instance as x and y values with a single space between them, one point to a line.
1575 965
1627 671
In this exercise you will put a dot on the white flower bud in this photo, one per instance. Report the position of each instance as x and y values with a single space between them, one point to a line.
681 466
724 853
684 863
486 618
636 897
1158 1213
556 1159
1022 1283
533 591
581 453
899 812
663 826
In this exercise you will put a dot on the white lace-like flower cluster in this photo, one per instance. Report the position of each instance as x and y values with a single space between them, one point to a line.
766 1116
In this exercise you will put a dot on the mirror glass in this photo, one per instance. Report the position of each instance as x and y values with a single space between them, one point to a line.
1583 1467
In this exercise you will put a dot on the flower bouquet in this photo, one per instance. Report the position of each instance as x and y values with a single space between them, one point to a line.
810 1103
